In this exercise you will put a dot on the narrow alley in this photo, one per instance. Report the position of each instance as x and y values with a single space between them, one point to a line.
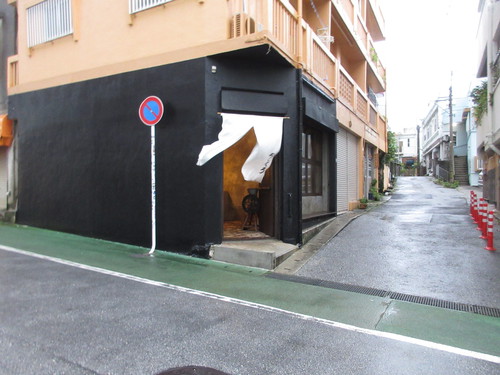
421 242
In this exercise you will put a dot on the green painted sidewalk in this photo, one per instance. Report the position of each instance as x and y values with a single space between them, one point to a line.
449 327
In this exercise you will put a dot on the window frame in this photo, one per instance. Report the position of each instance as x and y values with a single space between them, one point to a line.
312 161
135 7
49 20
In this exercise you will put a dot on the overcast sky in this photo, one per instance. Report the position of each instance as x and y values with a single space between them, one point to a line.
425 41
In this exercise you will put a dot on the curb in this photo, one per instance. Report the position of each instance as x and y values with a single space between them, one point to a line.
316 243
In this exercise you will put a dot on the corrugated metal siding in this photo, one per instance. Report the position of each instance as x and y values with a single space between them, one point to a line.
342 175
347 169
353 165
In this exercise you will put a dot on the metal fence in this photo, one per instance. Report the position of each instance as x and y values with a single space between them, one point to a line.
138 5
48 20
442 173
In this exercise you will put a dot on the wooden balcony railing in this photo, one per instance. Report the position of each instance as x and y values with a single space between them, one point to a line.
309 52
375 59
361 106
286 26
361 32
348 6
318 60
373 117
346 88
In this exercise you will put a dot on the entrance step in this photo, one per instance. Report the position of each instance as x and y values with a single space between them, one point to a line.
268 253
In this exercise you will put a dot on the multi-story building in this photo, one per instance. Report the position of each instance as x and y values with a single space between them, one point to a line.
435 135
8 190
307 69
488 129
407 147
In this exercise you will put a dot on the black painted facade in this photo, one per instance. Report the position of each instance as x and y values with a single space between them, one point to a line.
84 155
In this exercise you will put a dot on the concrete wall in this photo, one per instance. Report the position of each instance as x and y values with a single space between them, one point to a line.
8 183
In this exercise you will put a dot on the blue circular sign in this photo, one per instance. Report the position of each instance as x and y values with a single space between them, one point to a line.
151 110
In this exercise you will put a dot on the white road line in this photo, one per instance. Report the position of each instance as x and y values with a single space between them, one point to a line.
348 327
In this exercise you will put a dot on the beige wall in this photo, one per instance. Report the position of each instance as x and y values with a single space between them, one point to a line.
106 35
108 40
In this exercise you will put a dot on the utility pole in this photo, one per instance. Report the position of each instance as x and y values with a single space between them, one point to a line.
452 156
418 150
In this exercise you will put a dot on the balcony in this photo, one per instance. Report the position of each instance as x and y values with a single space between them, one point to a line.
312 53
301 44
301 32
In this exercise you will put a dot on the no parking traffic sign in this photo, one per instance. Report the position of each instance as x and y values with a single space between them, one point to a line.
150 113
151 110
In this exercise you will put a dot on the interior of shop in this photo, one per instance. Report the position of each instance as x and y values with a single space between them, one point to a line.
242 214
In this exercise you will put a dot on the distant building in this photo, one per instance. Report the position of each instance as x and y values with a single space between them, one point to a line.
488 129
435 140
435 135
407 147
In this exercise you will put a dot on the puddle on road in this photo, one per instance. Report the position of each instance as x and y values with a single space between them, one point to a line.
414 218
412 196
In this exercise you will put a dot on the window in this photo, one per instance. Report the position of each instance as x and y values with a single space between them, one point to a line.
138 5
312 169
48 20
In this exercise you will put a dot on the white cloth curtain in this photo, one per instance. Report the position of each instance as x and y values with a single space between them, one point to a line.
268 131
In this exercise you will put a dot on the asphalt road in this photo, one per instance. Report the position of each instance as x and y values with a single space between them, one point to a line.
64 319
74 305
421 242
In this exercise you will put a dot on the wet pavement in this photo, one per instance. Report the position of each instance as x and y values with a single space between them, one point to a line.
75 305
421 242
59 317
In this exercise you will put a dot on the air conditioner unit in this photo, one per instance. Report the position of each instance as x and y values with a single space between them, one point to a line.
324 36
241 24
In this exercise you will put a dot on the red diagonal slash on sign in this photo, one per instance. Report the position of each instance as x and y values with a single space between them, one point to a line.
151 110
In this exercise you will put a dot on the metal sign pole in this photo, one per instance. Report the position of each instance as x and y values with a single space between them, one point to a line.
150 113
153 192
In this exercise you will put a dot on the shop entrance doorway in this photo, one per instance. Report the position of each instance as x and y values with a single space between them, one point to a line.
248 206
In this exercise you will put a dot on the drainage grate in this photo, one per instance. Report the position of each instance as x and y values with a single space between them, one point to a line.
481 310
192 370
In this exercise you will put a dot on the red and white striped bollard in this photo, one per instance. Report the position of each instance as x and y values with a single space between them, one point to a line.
473 207
484 228
490 245
480 214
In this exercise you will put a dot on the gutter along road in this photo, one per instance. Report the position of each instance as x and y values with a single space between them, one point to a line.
75 305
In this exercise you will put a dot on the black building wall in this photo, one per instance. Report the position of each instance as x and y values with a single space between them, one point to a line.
275 90
322 111
84 155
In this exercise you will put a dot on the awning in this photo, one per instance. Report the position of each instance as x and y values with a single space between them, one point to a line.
268 131
6 131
